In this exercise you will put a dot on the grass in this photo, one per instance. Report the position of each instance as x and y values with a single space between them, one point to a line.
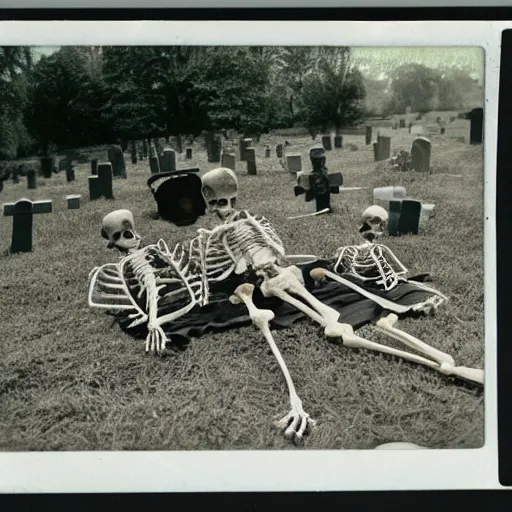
70 379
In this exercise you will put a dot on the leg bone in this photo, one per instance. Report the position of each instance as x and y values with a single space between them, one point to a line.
297 421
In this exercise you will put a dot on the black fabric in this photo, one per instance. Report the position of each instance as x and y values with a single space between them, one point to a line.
221 315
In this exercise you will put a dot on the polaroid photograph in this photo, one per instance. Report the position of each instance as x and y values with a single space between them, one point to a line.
245 259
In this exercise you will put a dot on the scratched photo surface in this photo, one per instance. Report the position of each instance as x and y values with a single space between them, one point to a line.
224 248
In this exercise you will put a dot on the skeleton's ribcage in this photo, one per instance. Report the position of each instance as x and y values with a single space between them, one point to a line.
245 241
152 281
374 263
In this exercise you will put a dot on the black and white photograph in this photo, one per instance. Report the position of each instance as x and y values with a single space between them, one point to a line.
242 248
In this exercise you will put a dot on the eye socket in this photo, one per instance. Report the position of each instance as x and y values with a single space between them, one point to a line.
222 202
116 236
213 202
128 234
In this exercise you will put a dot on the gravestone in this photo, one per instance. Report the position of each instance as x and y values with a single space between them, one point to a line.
267 151
476 130
318 184
401 123
94 167
420 154
23 212
368 135
73 201
144 148
294 162
228 160
47 166
279 151
250 155
416 129
70 171
116 159
178 195
404 217
244 143
409 217
338 141
327 142
62 163
16 174
214 149
105 176
382 148
188 153
168 160
133 151
31 179
94 188
154 164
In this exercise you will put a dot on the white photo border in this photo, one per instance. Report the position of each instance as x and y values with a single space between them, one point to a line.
290 470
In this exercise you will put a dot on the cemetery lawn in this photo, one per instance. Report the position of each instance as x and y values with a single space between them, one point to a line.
70 379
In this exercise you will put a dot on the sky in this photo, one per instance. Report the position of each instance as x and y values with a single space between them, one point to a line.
379 59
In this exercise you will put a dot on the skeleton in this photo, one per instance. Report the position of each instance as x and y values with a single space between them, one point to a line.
137 281
371 261
250 242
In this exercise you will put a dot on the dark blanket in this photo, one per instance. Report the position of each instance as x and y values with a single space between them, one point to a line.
220 314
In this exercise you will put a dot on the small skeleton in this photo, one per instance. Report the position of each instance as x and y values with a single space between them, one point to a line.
371 261
144 280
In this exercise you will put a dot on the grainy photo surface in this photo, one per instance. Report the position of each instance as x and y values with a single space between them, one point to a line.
224 248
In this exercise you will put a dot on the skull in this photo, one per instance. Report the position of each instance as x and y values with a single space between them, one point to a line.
374 221
220 189
119 229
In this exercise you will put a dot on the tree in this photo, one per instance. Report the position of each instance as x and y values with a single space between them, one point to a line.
333 93
65 102
413 85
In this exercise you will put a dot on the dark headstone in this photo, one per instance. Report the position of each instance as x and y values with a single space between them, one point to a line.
47 166
250 155
116 158
382 148
267 151
144 148
154 164
368 135
420 154
94 188
188 153
70 171
31 179
279 151
105 177
401 123
338 141
73 201
22 212
327 142
94 167
133 151
294 162
476 130
214 149
409 217
168 160
244 143
16 175
395 207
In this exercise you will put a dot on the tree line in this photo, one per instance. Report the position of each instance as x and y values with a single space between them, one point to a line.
82 96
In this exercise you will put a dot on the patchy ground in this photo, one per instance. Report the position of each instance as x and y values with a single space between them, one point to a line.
72 380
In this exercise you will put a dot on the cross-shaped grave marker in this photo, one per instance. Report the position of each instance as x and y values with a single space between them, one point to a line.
22 212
